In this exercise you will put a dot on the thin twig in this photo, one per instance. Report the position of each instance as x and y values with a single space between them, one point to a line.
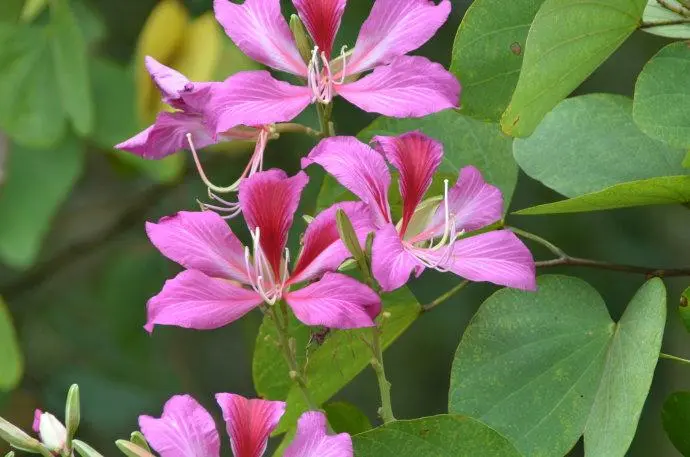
674 358
386 410
441 299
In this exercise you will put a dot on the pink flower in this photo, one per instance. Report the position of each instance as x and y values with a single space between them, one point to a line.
51 431
224 280
428 235
186 429
399 85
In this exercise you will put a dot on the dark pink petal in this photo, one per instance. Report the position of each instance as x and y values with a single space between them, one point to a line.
394 28
249 422
311 439
259 29
408 87
185 429
417 157
335 301
170 82
322 248
391 263
255 98
193 300
358 168
200 240
168 135
269 200
36 424
322 20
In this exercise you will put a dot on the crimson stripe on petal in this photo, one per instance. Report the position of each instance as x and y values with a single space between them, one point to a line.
322 20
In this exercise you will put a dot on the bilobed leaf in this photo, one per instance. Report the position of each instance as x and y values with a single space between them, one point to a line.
31 112
37 182
11 362
466 141
654 191
487 54
72 72
346 418
543 368
589 143
437 436
654 12
675 416
662 96
568 40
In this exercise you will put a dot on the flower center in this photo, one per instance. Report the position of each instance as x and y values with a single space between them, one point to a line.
320 77
260 273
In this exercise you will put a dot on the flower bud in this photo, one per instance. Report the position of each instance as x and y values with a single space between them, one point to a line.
72 412
131 449
348 235
138 439
53 434
301 37
84 449
17 438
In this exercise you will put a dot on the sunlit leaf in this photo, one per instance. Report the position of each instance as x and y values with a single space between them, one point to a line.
676 418
11 362
654 12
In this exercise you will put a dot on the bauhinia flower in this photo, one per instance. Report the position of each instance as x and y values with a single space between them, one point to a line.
399 85
429 234
186 429
224 280
51 431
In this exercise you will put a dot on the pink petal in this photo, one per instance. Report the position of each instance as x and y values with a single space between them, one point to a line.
200 240
193 300
185 429
322 20
255 98
168 135
335 301
408 87
311 439
322 248
259 29
394 28
170 82
249 422
269 200
392 264
417 157
36 424
472 202
358 168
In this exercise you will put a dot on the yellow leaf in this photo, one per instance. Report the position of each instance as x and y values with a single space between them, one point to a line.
199 53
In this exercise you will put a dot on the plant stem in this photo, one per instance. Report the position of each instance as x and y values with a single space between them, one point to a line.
674 358
564 259
649 25
386 410
291 127
324 112
444 297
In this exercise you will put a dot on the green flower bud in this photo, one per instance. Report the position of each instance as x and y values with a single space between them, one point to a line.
131 449
72 413
84 449
301 37
348 235
139 439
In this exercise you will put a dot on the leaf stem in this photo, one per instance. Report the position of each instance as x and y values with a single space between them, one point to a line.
291 127
386 410
674 358
441 299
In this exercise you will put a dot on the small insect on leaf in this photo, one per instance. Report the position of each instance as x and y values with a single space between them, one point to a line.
516 48
684 309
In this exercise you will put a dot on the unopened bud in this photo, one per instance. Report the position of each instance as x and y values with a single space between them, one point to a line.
138 439
347 265
348 235
301 38
369 244
17 438
53 434
72 413
131 449
84 449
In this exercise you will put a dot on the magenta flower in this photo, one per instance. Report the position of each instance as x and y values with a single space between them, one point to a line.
186 429
224 280
400 85
428 235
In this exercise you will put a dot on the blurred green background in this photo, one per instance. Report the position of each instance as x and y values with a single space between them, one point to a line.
76 268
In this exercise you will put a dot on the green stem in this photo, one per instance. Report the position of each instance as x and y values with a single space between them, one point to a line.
674 358
45 452
324 112
386 410
291 127
444 297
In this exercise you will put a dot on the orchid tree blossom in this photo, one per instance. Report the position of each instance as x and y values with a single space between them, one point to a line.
224 280
399 85
186 429
430 232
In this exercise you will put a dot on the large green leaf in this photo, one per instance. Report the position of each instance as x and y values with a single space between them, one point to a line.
437 436
37 182
662 96
31 112
654 12
589 143
487 54
676 418
466 142
11 9
544 367
346 418
568 40
11 363
653 191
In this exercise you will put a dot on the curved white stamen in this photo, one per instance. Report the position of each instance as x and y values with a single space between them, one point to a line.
261 276
343 71
449 221
320 77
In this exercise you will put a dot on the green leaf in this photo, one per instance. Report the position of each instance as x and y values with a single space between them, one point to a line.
466 142
662 96
11 10
437 436
487 54
675 416
684 308
543 368
654 12
686 160
568 40
37 182
31 112
589 143
344 354
346 418
72 71
11 362
655 191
